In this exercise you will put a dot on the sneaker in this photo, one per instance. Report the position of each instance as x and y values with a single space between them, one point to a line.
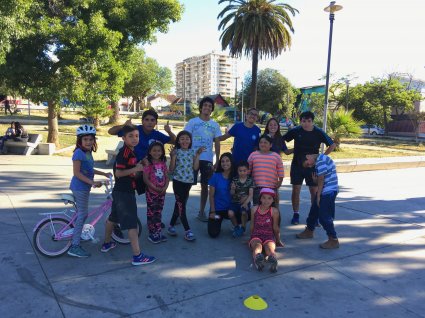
331 243
189 236
155 239
273 263
172 231
306 234
142 259
106 247
163 238
78 251
259 261
202 217
295 219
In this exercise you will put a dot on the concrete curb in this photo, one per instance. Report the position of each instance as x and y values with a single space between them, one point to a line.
368 164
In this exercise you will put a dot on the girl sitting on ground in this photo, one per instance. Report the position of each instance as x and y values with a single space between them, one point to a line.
264 230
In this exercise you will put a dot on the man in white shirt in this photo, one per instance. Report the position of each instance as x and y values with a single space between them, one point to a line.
204 133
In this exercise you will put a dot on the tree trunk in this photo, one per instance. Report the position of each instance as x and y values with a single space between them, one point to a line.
253 98
52 122
96 122
385 121
115 117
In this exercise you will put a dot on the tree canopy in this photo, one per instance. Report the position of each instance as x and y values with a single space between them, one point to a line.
257 28
148 77
276 95
74 49
373 101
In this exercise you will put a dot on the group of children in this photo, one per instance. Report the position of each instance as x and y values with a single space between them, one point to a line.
232 188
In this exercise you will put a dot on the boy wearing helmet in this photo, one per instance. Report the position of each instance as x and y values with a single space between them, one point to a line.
82 181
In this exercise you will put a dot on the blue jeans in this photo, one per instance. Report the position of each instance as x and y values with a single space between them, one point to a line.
325 213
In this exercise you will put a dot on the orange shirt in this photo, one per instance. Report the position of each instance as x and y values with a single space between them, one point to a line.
266 169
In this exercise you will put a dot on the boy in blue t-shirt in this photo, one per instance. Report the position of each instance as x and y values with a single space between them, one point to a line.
147 135
245 135
323 205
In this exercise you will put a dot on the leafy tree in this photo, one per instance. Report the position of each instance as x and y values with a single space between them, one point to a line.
257 28
374 100
343 124
13 23
148 77
73 48
276 94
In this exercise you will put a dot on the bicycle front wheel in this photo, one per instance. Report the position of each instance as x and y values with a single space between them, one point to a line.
121 236
46 240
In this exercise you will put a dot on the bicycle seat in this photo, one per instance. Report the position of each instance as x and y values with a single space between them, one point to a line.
68 198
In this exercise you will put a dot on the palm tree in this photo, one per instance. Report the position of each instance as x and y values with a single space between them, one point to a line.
257 28
342 124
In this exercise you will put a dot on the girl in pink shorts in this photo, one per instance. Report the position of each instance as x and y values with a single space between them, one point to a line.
264 230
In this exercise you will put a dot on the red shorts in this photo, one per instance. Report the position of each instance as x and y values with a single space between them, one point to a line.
263 241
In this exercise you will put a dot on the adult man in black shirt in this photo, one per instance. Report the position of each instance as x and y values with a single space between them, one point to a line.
307 140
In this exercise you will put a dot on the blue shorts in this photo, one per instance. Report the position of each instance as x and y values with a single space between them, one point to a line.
238 210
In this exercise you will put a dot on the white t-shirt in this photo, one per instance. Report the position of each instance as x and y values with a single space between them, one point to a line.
203 134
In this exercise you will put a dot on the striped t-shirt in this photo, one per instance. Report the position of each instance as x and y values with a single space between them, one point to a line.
325 166
266 169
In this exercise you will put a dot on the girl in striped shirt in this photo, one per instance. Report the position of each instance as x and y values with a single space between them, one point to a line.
266 167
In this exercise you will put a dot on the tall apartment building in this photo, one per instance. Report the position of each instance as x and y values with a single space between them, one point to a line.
213 73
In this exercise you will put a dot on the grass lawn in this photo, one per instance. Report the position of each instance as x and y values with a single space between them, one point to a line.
367 147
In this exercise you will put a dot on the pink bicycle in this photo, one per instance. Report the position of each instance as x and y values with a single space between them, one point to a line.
53 234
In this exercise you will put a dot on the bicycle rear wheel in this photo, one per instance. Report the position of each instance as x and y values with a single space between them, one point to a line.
121 236
46 241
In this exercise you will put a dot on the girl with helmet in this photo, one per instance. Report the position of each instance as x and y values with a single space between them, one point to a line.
82 181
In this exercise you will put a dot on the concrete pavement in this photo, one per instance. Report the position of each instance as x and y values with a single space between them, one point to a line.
378 271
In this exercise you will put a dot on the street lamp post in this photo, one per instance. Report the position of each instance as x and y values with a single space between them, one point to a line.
332 8
184 93
236 97
347 82
242 104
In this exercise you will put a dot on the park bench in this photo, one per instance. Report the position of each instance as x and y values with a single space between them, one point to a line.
112 154
21 147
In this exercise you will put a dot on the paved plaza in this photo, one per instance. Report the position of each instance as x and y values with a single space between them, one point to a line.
379 270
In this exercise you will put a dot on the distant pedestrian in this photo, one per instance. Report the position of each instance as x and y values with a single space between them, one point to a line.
124 206
20 133
155 176
245 135
264 230
82 182
204 132
7 107
307 140
184 160
9 134
323 205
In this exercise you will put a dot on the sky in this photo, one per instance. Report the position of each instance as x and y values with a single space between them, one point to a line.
371 38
